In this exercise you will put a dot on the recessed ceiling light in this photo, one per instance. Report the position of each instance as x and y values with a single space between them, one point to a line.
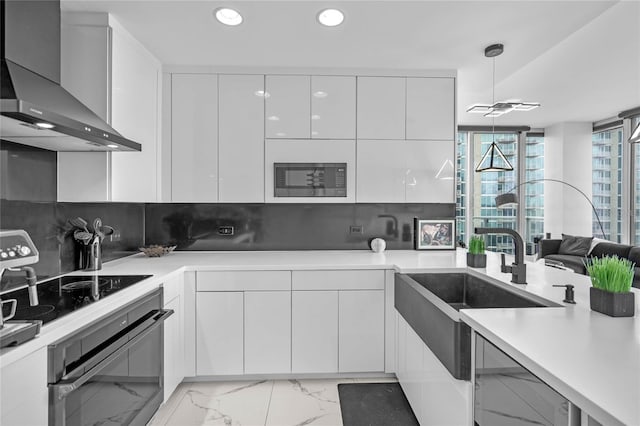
45 125
273 118
320 94
315 117
228 16
330 17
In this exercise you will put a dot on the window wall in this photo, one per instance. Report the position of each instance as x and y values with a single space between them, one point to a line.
635 121
487 185
607 182
476 192
461 187
533 191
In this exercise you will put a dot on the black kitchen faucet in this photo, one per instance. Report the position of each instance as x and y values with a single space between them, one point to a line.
518 269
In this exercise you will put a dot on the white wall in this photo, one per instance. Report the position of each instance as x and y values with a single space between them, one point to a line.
568 158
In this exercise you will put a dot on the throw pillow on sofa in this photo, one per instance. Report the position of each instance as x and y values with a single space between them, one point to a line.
576 246
611 249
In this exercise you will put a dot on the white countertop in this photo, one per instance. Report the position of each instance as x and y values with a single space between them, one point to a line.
591 359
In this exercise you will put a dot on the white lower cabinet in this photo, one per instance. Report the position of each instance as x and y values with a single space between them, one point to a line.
434 395
283 322
24 394
314 332
267 332
219 333
361 331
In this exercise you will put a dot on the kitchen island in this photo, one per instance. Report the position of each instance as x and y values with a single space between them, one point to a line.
591 359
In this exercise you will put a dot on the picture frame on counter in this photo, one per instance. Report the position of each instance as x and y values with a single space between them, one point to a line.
434 234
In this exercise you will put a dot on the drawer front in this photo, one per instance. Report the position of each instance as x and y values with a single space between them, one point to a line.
243 281
338 280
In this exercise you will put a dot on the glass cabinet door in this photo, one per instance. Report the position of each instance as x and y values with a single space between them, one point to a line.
506 394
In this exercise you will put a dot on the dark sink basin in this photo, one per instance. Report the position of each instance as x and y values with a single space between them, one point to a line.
430 303
464 291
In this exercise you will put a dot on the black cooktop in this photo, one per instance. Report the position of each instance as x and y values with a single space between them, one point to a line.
60 296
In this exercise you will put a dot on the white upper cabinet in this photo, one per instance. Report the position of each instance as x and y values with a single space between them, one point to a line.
117 78
241 138
423 161
381 171
381 107
430 108
135 80
399 171
333 107
194 138
288 106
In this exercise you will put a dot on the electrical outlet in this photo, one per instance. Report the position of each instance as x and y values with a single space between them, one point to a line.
356 229
225 230
115 236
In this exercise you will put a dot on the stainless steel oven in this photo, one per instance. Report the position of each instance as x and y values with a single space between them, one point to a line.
110 372
310 179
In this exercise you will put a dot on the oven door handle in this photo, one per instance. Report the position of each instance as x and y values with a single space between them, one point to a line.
62 388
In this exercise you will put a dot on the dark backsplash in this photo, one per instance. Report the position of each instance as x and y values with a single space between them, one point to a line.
286 226
28 194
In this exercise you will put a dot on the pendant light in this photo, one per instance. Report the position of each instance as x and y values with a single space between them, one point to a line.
493 160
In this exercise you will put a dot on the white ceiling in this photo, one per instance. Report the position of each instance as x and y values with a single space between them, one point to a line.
579 59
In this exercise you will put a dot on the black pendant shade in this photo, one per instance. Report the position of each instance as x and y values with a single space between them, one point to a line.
494 161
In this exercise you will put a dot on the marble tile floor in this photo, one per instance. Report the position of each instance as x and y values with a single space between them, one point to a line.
251 403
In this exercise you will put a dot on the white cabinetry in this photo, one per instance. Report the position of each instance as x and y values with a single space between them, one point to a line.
316 107
314 331
24 395
243 322
114 75
194 137
241 138
403 171
333 107
288 106
361 330
281 322
135 101
381 107
267 332
346 324
430 108
434 395
219 333
174 341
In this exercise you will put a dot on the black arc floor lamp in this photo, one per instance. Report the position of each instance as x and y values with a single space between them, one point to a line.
510 198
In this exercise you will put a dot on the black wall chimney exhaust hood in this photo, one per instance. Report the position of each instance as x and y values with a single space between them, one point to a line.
34 109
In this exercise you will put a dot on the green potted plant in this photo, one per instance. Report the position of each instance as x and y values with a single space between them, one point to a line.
476 257
611 278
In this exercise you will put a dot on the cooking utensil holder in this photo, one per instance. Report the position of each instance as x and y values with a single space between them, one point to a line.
91 256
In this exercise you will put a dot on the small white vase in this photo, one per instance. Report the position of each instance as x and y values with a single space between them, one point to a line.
378 245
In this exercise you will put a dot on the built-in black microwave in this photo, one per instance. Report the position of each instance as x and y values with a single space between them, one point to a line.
310 179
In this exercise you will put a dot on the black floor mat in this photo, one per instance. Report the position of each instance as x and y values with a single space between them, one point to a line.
375 404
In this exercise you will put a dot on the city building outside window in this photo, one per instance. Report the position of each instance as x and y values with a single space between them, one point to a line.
636 183
475 199
533 192
461 187
607 175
